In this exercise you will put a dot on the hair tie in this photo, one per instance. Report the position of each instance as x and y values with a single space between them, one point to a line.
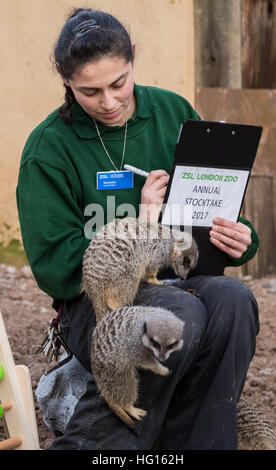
85 27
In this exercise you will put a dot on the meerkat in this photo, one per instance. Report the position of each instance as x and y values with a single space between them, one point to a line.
126 252
254 429
125 340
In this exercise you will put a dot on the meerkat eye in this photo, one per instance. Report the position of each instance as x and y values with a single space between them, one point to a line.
172 345
186 260
154 343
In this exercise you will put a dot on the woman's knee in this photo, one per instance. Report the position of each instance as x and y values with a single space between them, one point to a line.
232 288
238 298
233 312
230 296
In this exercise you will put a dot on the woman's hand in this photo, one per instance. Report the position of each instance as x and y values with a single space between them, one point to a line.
231 237
152 195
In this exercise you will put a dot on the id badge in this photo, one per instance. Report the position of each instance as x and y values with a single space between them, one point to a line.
114 179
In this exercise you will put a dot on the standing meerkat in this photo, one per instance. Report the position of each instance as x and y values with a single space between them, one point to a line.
254 429
128 251
127 339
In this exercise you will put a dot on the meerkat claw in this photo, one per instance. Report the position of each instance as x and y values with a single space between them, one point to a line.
136 413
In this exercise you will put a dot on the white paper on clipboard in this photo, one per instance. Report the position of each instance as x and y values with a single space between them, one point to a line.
198 194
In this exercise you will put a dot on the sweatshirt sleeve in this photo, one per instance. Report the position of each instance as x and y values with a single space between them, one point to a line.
251 250
52 226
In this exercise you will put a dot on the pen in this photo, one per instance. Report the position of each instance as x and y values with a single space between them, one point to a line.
136 170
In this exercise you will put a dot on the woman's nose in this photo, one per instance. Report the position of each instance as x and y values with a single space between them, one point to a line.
108 101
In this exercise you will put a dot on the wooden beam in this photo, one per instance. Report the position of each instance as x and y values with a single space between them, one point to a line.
259 44
217 43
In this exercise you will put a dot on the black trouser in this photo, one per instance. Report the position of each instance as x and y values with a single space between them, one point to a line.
195 406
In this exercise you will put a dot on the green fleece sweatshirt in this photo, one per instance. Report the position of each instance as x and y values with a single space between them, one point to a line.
57 182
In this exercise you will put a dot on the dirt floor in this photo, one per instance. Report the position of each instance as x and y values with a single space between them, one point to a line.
26 311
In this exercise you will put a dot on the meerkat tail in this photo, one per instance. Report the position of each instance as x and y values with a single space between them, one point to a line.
120 412
100 307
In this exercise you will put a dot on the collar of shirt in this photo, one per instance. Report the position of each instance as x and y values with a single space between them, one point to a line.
84 126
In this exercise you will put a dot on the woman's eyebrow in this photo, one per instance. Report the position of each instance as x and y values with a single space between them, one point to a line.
113 83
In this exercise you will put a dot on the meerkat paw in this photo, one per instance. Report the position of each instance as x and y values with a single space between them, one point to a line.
151 279
122 414
156 367
156 281
164 371
136 413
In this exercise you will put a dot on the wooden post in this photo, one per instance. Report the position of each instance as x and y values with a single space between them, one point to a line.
217 43
235 43
259 44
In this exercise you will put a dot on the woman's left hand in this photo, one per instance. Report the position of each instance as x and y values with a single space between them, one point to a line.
231 237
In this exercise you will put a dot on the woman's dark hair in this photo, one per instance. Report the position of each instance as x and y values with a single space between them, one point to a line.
88 35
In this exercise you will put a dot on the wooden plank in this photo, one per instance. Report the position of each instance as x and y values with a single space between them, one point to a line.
259 208
259 44
16 418
24 379
237 272
255 107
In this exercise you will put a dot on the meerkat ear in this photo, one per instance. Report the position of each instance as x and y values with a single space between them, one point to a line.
183 240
